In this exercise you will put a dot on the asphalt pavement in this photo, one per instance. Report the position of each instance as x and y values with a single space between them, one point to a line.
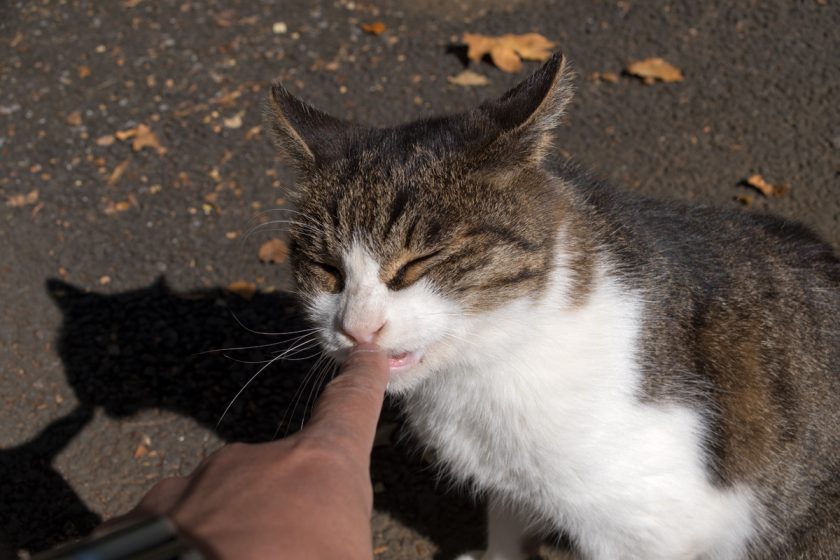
134 161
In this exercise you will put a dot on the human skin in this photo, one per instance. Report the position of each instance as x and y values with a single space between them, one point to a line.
306 496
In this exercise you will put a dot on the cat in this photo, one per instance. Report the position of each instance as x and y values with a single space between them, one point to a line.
652 379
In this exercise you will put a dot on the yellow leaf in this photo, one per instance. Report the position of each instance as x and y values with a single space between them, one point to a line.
508 51
468 78
653 69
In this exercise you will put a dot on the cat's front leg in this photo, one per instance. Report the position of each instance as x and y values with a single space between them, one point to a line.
508 537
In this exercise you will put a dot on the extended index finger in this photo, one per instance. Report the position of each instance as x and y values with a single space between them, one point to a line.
350 405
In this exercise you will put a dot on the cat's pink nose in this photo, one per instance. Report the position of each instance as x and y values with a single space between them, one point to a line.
360 333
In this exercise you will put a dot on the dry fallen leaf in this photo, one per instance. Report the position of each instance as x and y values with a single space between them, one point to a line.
380 549
242 288
74 118
610 77
273 251
141 451
508 51
84 71
233 122
106 140
123 135
375 28
117 172
653 69
757 182
112 207
17 200
145 138
468 78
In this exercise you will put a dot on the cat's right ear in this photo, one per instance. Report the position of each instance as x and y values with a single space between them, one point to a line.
305 136
518 127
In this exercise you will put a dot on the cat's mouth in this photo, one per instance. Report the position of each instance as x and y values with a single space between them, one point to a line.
404 360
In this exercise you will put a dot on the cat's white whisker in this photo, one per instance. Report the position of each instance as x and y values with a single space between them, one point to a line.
247 383
319 379
289 412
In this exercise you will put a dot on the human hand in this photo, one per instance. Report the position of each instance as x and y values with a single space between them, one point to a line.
306 496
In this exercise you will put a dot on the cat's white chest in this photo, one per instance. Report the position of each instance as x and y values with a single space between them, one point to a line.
547 415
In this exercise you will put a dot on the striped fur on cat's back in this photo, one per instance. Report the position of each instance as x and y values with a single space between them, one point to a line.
655 380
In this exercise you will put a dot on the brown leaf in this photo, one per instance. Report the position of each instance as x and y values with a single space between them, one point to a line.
653 69
273 251
243 289
106 140
757 182
112 207
145 138
507 51
468 78
117 172
17 200
380 549
141 451
123 135
233 122
375 28
84 71
74 118
610 77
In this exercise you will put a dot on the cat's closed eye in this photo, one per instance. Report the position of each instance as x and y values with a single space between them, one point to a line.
331 275
411 271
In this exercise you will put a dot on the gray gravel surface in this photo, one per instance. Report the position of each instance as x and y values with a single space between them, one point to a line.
114 262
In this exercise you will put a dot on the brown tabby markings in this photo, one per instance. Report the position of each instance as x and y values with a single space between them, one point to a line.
741 311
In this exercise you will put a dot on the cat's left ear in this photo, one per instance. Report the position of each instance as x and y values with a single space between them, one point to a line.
305 136
519 125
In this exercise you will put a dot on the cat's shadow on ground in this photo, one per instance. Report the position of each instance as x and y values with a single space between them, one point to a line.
138 350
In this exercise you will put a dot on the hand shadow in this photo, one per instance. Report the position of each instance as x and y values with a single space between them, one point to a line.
148 349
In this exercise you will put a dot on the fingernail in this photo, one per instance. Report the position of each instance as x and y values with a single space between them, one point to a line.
365 347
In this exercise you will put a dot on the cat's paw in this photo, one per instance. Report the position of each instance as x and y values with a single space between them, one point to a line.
471 555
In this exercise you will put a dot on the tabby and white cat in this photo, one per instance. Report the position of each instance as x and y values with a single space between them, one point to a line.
655 380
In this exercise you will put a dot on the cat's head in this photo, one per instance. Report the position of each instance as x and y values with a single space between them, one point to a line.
414 236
